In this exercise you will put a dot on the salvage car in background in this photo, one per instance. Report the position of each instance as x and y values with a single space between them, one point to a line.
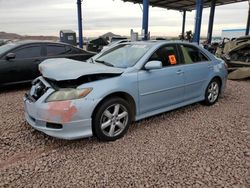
113 44
3 42
96 45
236 53
19 61
127 83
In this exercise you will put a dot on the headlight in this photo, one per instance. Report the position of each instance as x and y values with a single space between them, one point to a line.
68 94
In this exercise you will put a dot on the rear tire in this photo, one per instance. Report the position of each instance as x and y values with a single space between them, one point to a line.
212 92
112 119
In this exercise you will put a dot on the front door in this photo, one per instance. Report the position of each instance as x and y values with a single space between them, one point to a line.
161 87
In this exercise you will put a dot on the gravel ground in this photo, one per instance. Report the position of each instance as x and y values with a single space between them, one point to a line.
195 146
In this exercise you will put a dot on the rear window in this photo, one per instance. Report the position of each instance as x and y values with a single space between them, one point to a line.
53 50
73 50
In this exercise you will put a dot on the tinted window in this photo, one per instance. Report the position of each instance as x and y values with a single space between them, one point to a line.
28 52
167 55
55 50
192 54
72 50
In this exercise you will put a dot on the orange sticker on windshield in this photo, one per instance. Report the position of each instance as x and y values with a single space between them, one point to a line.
172 59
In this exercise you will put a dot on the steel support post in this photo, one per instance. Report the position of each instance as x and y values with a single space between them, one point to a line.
198 19
79 12
248 21
211 22
145 19
183 23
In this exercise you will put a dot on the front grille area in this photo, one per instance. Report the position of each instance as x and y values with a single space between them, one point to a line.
38 89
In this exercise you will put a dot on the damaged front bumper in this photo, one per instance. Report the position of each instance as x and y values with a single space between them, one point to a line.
62 119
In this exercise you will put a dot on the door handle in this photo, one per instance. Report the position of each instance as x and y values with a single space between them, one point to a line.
179 72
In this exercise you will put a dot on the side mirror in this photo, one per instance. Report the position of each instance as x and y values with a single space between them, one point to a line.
10 56
151 65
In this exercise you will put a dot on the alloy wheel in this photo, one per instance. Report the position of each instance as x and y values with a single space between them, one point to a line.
114 120
213 92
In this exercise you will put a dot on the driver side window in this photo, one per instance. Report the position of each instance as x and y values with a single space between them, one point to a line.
28 52
167 55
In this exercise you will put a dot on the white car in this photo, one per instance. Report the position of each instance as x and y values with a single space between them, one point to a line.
112 44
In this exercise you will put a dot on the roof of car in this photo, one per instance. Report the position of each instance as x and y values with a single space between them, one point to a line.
21 42
17 44
156 42
25 42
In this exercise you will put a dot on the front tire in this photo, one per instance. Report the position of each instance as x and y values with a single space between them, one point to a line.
212 92
112 119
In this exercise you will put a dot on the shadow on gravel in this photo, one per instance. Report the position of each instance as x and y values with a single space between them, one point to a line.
159 118
15 87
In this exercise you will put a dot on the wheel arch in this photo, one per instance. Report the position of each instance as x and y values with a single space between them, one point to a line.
124 95
219 79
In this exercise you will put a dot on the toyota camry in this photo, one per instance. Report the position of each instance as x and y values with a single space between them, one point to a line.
126 83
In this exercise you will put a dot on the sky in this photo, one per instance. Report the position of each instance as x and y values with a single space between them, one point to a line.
48 17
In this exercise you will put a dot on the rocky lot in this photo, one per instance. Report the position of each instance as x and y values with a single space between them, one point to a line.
195 146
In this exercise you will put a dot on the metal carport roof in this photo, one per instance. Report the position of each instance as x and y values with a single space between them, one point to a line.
188 5
181 5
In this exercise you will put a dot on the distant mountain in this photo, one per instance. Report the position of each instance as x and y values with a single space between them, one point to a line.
14 36
110 35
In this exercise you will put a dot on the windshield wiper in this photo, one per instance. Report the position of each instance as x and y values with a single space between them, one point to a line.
105 63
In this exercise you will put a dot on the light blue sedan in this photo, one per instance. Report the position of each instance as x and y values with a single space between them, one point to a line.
126 83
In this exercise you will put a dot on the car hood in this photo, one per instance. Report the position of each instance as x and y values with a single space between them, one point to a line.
66 69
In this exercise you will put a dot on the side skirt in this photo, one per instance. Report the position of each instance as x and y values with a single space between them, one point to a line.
166 109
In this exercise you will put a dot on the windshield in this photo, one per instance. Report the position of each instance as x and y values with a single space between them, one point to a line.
124 55
6 47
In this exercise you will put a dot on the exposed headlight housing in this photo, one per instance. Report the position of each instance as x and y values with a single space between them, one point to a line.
68 94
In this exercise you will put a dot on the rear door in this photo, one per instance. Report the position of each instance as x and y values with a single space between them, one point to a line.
197 67
162 87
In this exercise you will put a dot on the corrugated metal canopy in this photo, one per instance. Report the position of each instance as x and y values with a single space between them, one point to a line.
188 5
